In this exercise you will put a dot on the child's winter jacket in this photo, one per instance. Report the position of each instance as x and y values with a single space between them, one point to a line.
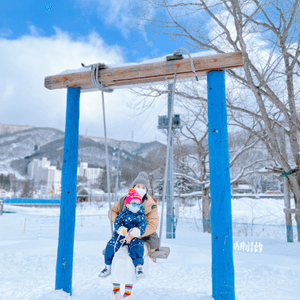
130 220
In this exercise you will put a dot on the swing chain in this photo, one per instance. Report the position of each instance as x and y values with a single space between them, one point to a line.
94 78
107 160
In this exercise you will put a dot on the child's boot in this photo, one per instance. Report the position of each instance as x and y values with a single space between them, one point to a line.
139 273
106 271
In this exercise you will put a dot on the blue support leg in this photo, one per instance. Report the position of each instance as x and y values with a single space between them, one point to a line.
221 220
64 264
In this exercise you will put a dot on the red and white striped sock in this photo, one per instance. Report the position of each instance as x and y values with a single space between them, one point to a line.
116 287
128 290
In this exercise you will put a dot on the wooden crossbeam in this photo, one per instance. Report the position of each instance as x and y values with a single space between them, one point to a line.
291 211
146 73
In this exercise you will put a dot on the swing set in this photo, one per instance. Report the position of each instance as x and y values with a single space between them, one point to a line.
100 77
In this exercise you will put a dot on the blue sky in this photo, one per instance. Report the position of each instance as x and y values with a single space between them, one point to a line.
80 18
42 38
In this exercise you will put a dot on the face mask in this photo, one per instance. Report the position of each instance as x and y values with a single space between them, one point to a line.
141 192
134 207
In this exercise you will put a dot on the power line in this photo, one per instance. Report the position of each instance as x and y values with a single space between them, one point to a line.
133 126
153 122
141 128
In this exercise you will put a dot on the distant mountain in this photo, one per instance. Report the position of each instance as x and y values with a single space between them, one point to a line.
19 148
7 128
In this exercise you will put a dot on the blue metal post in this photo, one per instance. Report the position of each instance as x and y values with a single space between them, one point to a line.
221 221
64 264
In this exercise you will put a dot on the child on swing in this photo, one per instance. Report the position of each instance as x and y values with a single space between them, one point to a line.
130 221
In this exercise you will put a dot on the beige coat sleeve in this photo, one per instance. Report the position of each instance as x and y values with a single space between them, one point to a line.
152 222
115 211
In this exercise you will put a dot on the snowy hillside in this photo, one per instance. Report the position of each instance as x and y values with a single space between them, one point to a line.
8 128
18 149
129 146
20 144
134 148
152 148
28 241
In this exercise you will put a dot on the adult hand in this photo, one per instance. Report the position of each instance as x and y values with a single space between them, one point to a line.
127 239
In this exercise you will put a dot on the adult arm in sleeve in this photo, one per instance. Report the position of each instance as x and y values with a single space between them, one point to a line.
152 222
115 210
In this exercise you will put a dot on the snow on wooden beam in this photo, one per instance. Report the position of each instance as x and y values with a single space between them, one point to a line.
146 73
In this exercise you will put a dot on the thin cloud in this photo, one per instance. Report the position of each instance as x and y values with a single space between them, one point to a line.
114 12
26 61
5 32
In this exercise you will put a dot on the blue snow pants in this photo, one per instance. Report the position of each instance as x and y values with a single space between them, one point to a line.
135 249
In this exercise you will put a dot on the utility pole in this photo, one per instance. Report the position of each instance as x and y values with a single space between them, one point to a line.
117 175
163 123
151 185
170 183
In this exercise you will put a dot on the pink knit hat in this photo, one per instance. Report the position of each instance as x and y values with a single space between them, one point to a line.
132 194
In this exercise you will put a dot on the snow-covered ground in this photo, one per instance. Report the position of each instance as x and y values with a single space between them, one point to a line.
28 245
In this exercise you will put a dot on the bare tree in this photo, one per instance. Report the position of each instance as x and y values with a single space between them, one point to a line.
268 34
27 191
192 153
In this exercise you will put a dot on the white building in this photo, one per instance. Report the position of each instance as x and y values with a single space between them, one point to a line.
42 171
81 169
54 180
33 167
90 173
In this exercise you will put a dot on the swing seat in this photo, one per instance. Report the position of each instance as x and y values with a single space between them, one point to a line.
163 252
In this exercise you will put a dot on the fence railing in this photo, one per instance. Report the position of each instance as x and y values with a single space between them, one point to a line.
29 201
275 231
